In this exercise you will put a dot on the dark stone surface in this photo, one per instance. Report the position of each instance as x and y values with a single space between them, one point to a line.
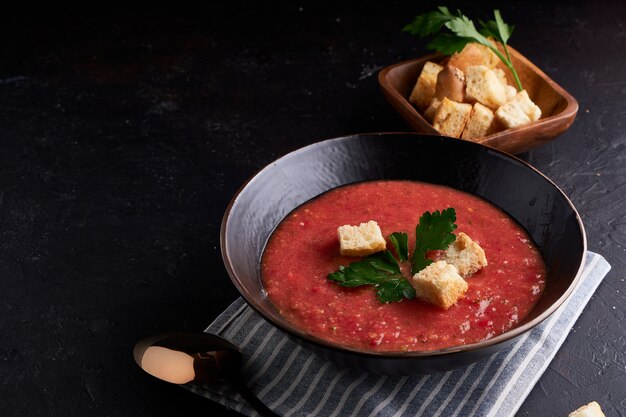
125 132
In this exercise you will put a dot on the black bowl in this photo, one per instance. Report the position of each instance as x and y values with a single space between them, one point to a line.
509 183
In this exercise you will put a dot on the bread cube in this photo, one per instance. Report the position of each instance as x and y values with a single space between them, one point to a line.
590 410
518 111
451 117
361 240
466 255
474 54
484 86
480 123
424 89
509 90
429 113
439 284
451 84
501 76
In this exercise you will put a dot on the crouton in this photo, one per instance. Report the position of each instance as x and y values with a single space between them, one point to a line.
429 113
484 86
590 410
466 255
439 284
451 117
509 90
424 89
501 76
480 123
518 111
450 84
361 240
474 54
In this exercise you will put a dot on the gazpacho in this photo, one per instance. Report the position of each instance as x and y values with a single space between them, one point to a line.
304 251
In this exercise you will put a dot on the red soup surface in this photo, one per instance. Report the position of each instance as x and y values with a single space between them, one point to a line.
304 249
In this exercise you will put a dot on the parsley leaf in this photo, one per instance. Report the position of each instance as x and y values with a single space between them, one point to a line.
380 270
463 32
497 28
504 29
400 243
447 43
434 232
502 32
394 289
428 23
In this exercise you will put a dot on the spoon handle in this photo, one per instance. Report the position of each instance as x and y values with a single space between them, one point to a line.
252 399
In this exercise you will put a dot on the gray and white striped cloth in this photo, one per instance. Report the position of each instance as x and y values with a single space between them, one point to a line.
294 382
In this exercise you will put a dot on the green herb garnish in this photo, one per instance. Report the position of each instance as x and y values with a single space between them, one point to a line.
382 270
434 232
400 242
463 32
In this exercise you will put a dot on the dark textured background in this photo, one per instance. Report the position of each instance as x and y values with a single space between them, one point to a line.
124 132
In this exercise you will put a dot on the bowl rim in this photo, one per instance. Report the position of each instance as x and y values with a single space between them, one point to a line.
398 355
569 112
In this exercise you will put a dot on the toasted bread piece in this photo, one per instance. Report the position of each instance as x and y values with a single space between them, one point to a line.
484 86
424 89
480 123
439 284
474 54
518 111
590 410
466 255
510 92
429 113
501 76
451 117
361 240
451 84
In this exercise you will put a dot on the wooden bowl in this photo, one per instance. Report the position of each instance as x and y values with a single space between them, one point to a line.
558 107
537 205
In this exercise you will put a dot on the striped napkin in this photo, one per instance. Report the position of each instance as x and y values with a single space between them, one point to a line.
294 382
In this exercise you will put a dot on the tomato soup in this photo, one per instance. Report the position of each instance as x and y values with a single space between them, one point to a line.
304 249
